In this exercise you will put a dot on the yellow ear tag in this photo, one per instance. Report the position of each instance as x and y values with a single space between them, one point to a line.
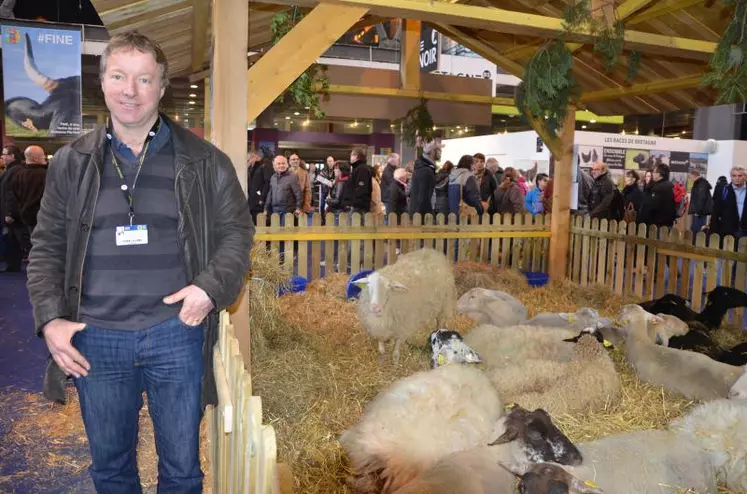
441 359
572 318
509 406
606 344
591 484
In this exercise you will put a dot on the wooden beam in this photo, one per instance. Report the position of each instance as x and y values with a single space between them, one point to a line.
643 89
131 9
552 142
625 10
481 48
198 76
409 60
295 52
149 17
520 23
560 219
200 16
661 8
391 92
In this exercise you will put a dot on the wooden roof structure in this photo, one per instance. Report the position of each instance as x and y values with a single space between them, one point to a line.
676 38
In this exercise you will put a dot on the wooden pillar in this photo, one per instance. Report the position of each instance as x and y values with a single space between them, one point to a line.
560 221
409 64
230 31
206 113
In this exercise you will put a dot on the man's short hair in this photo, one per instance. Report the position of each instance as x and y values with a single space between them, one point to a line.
133 40
695 173
479 156
360 152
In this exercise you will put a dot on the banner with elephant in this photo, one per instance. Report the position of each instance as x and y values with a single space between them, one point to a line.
42 80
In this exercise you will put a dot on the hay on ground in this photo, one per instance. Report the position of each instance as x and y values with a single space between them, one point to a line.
317 370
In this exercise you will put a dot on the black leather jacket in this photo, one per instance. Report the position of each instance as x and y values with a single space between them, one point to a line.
215 231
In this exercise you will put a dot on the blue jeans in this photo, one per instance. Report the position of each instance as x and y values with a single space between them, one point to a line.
165 361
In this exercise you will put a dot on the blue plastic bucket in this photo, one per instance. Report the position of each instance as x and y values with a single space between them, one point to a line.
297 284
536 278
354 290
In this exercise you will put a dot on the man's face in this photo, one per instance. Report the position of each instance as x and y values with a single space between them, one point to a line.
737 178
330 162
396 160
280 164
353 157
252 160
7 157
132 87
295 160
479 165
437 154
597 170
542 184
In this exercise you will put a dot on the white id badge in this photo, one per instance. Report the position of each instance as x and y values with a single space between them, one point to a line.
131 235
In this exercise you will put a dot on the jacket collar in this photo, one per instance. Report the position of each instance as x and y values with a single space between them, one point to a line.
188 147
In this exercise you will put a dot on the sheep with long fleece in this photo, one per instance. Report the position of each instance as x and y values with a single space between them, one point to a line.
690 374
707 445
508 345
400 299
589 381
583 318
417 420
491 307
738 390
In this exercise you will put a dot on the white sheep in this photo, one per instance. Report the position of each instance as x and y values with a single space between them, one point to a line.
400 299
583 318
707 445
502 346
418 420
738 390
693 375
491 307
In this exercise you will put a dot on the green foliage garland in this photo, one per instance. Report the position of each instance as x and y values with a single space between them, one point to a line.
417 122
308 89
728 72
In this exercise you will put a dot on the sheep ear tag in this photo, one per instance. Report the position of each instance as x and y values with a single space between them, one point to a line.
361 282
606 344
441 359
568 316
509 406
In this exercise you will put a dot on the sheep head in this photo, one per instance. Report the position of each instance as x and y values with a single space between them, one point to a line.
546 478
448 347
540 438
380 289
738 390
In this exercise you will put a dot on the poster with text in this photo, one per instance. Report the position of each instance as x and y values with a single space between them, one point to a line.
614 158
42 80
636 159
679 162
588 155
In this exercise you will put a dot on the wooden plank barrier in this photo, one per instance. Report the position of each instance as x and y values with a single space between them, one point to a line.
647 263
242 450
354 242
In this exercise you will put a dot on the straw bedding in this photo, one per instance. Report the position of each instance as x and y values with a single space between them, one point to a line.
316 369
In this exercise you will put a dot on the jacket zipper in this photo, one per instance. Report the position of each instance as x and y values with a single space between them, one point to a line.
88 237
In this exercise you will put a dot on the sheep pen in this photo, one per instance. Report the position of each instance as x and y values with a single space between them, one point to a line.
316 368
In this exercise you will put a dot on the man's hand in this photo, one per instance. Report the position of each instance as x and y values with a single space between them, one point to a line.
58 334
196 304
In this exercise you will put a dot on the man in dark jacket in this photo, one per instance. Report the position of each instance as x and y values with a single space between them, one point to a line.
387 178
602 197
127 277
27 190
728 216
259 173
13 160
701 202
424 179
356 195
662 209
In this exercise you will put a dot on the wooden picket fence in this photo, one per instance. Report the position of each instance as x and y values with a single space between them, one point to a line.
353 243
647 264
242 450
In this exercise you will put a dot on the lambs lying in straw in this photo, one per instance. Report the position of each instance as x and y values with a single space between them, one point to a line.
491 307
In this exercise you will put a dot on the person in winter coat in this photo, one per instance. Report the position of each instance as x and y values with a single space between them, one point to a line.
441 191
13 160
27 189
301 171
728 216
522 181
398 194
463 187
508 196
285 194
585 184
356 196
334 199
259 174
701 202
601 202
661 209
326 180
533 201
632 193
387 178
424 179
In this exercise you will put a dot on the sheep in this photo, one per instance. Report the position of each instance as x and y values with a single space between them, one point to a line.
584 317
400 299
448 347
738 390
707 445
718 302
491 307
736 355
587 382
529 436
420 419
690 374
511 344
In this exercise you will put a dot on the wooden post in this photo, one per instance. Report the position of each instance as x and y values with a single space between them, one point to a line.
409 64
206 117
561 199
230 30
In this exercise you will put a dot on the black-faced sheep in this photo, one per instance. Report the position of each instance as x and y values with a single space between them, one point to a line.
448 347
422 418
707 445
718 302
491 307
400 299
736 355
690 374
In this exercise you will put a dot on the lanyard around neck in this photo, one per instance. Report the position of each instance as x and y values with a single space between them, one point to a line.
127 190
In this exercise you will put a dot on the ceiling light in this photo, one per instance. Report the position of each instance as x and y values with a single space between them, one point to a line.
583 126
192 95
287 118
193 86
592 121
306 108
296 113
684 132
192 103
